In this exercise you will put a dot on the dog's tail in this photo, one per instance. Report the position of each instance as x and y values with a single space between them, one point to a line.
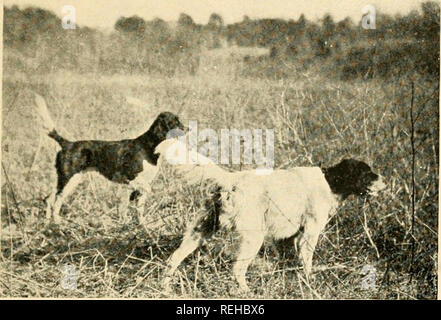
48 123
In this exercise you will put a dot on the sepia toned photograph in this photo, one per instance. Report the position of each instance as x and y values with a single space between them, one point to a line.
202 149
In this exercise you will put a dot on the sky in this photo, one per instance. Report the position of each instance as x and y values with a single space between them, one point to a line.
103 14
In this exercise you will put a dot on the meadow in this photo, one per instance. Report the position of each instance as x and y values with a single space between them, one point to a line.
317 121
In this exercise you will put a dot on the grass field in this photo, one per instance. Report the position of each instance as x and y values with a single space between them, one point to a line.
316 121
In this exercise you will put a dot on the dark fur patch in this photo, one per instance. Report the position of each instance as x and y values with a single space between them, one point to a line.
285 246
350 176
209 223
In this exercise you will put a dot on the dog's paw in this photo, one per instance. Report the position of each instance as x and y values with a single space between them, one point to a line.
166 286
240 292
135 195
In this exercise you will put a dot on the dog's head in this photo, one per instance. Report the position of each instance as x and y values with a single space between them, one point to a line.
166 125
351 176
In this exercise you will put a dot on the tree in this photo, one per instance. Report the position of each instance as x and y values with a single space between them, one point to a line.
133 25
215 21
328 26
213 31
431 12
30 26
158 30
185 21
301 23
345 28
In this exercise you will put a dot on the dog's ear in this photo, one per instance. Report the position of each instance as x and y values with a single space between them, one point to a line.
344 178
164 123
343 168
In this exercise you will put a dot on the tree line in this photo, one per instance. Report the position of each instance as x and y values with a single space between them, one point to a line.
34 38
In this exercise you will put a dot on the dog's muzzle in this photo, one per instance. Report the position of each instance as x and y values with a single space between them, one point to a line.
377 186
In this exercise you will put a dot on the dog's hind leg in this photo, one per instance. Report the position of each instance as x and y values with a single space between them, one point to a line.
65 188
191 242
250 243
202 228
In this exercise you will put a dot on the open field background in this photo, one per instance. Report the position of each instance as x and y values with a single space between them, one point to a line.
314 120
318 119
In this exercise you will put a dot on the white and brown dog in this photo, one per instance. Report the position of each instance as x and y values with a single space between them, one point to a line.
298 201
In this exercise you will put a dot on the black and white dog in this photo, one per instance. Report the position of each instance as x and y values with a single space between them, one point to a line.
129 161
284 203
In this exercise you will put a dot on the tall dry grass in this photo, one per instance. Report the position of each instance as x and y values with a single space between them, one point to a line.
316 121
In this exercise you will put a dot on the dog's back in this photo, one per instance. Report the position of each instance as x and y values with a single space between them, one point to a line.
305 187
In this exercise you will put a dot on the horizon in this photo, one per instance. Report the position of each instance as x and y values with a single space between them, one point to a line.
103 14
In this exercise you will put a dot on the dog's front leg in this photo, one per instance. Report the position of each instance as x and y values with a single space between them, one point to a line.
50 200
250 243
306 243
138 198
142 187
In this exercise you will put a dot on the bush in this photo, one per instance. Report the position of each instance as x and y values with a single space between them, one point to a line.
388 59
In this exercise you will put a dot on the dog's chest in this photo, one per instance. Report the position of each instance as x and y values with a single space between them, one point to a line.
125 163
147 174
